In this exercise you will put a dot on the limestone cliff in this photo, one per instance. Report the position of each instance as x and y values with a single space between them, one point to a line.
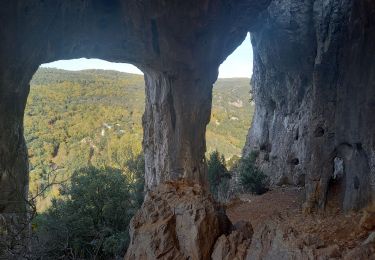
314 92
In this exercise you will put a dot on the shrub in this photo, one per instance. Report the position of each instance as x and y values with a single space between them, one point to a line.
91 219
218 175
251 177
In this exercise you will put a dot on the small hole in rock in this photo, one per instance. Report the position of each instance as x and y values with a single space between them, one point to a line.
294 161
356 182
319 131
265 147
296 136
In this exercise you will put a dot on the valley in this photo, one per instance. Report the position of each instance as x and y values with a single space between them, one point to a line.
94 118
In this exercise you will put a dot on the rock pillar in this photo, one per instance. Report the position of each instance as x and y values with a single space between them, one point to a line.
13 167
178 108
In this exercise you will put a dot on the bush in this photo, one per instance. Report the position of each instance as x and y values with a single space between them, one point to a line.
92 218
251 177
218 176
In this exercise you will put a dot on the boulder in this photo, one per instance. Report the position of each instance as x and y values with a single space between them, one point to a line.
234 245
177 220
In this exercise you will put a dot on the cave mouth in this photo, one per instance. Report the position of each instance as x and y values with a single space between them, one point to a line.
83 130
231 116
232 108
81 113
88 112
180 66
83 116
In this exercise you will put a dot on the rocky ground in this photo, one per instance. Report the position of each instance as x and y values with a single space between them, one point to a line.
259 209
329 234
179 220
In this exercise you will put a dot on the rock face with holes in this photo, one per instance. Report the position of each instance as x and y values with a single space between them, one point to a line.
313 83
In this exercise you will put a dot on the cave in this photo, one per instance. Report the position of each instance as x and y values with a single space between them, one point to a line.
314 74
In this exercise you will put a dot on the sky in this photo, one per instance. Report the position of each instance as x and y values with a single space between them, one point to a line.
238 64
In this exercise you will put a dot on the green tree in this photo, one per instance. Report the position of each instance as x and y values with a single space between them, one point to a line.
251 177
91 219
135 168
218 175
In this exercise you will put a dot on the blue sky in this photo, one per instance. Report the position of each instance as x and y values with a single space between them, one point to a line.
238 64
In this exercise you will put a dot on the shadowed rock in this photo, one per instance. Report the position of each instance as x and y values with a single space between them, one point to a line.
314 95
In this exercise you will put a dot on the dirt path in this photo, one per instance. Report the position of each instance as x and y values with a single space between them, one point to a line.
331 227
258 209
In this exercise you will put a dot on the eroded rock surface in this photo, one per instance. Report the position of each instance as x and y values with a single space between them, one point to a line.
278 240
314 70
236 244
177 221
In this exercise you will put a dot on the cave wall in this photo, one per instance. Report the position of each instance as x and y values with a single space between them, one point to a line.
314 92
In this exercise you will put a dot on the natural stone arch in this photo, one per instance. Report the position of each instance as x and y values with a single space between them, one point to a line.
178 44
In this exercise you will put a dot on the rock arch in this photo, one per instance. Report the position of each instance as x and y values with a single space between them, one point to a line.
178 44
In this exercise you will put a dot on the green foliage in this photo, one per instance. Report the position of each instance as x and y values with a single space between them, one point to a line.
135 168
80 119
93 118
230 117
251 177
91 218
218 175
83 132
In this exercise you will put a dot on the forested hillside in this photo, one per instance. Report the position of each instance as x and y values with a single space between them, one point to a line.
93 118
